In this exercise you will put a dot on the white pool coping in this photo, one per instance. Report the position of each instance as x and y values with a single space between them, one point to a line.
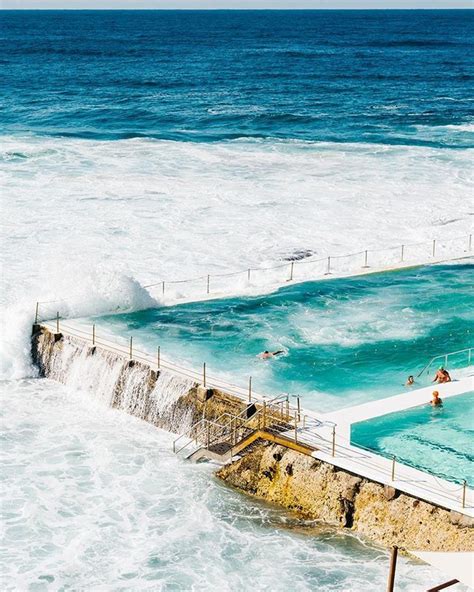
378 468
410 398
316 430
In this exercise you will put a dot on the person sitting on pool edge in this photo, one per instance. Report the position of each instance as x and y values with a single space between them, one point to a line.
441 376
447 376
436 401
410 381
267 355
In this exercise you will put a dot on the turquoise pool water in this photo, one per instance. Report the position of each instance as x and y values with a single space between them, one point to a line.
347 341
436 440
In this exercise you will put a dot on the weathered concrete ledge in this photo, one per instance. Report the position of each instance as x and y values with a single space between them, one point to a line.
129 385
317 490
310 487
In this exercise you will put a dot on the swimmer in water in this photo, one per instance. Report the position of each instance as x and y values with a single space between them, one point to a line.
436 400
410 381
266 355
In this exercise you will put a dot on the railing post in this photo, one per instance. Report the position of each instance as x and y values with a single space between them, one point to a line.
163 287
296 429
434 247
250 388
158 357
464 484
291 270
299 407
470 242
287 409
57 322
329 266
248 275
208 283
131 347
366 259
93 334
36 313
204 374
394 459
393 566
403 253
333 451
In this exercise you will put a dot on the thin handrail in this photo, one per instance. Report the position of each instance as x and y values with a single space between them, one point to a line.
469 350
319 259
274 420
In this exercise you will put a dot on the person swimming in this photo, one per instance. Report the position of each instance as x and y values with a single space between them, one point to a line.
436 401
410 381
266 355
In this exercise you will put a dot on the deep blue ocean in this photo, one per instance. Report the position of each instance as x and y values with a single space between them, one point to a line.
387 77
140 146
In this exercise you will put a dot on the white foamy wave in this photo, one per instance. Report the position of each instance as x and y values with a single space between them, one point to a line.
86 293
461 127
349 324
101 213
95 500
466 127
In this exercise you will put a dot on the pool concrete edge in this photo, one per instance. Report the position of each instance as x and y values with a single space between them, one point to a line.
317 490
410 398
334 486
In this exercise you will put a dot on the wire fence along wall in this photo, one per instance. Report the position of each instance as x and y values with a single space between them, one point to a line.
313 268
394 469
297 271
130 352
307 424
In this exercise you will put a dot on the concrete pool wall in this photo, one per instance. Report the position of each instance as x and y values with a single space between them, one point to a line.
318 486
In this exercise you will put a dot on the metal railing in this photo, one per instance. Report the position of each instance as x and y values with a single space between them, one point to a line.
128 350
395 469
468 356
299 270
306 269
270 412
231 429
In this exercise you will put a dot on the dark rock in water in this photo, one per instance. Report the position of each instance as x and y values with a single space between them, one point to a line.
298 255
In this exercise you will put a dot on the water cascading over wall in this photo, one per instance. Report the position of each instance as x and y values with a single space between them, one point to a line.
162 398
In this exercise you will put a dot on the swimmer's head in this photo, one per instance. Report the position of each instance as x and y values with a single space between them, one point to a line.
266 351
435 394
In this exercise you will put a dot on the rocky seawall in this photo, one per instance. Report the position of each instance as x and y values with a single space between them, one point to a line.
317 490
162 398
309 487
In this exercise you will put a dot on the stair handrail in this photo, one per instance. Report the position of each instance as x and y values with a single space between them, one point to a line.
469 351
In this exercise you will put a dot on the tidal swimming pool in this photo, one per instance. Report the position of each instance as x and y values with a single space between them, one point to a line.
438 440
346 341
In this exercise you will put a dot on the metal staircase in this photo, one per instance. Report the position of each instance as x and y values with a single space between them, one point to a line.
223 439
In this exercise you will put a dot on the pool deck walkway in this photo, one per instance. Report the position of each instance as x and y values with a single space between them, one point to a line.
316 430
410 398
337 449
